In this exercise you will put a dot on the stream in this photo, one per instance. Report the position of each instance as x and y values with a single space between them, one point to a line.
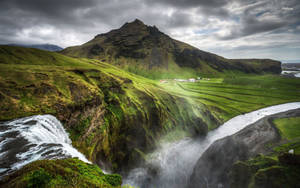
172 164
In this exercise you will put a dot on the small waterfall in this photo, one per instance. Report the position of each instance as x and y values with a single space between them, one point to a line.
171 165
33 138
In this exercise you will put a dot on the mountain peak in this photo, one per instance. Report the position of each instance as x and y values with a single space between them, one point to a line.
138 22
134 24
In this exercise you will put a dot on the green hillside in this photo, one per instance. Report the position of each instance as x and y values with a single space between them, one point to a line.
146 51
110 114
116 116
30 56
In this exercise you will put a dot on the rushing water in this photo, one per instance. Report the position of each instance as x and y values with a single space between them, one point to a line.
43 137
295 73
33 138
172 164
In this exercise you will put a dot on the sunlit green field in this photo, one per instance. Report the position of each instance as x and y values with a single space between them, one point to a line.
237 95
289 127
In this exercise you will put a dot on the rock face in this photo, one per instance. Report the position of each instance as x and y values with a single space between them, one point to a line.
213 167
136 46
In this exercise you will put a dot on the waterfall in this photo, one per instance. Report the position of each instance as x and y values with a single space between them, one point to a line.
33 138
171 165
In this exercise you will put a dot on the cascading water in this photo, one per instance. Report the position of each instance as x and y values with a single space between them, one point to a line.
171 165
33 138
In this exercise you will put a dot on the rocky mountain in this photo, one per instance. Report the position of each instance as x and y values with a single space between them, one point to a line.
145 50
47 47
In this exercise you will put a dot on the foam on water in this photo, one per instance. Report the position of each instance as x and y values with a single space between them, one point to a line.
174 162
295 73
33 138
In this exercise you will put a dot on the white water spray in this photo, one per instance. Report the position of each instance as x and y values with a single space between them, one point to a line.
174 162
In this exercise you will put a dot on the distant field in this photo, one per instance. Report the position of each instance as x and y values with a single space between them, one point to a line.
237 95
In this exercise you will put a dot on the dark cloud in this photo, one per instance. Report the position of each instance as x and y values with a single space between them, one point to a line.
263 16
190 3
251 25
179 19
214 12
68 22
50 8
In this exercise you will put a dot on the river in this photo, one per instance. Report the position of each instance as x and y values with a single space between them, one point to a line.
38 137
171 165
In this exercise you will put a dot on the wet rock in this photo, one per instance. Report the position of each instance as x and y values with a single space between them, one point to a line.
212 169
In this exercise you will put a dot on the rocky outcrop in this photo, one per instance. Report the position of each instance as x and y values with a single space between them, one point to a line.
213 167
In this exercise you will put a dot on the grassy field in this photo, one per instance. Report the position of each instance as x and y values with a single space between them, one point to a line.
289 127
238 95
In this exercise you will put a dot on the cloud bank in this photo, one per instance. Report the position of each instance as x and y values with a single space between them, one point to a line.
231 28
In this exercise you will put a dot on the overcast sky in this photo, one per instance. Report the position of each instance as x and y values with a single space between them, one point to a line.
231 28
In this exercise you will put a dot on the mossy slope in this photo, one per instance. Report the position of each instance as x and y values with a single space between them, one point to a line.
263 171
61 173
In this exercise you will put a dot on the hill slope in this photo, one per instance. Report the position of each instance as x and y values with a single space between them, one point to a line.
146 51
47 47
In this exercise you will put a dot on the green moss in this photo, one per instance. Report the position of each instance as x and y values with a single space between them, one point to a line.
80 128
263 171
295 145
61 173
114 179
38 178
289 127
116 110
